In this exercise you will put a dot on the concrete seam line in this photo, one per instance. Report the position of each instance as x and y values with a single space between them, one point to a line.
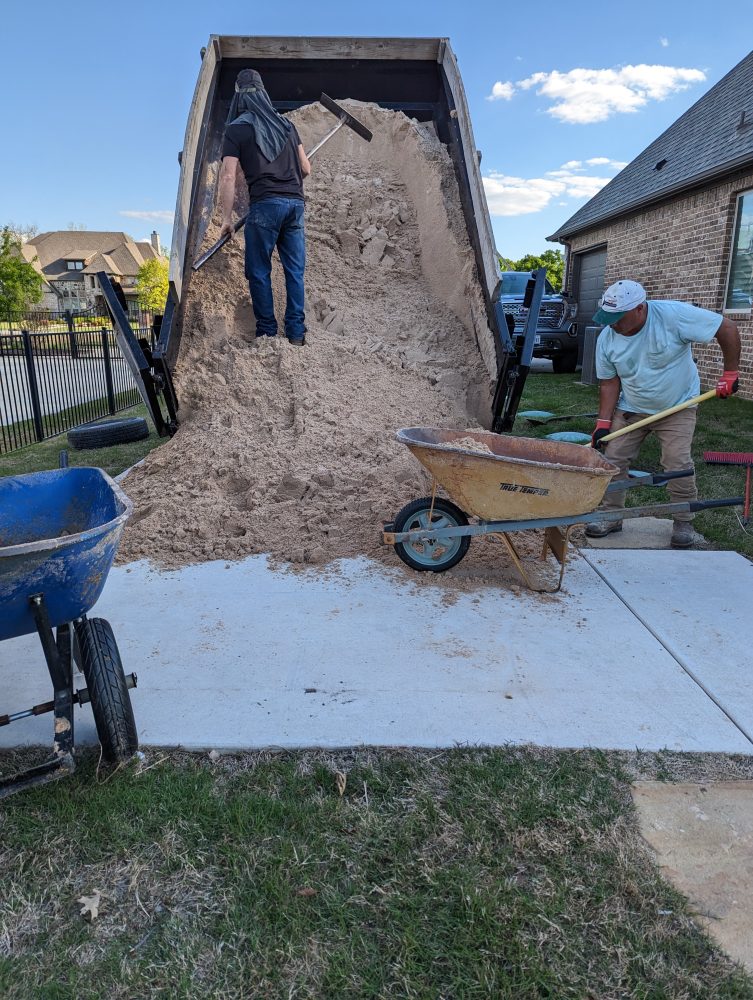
675 656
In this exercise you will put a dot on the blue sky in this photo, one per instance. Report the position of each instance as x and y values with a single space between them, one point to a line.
95 96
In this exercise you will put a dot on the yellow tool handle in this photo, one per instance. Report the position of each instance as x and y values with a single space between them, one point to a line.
659 416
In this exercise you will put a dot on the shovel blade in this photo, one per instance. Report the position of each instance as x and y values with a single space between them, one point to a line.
345 118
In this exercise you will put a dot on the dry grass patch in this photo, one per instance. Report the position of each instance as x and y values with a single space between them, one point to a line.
469 873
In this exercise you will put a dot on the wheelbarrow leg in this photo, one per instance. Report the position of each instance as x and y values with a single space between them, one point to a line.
57 653
556 541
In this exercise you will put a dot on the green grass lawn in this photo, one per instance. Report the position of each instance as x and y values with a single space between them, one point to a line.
113 460
723 425
462 874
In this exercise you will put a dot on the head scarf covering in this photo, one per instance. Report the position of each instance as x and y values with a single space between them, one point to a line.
251 106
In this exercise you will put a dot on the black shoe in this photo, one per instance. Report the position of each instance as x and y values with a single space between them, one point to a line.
297 341
600 529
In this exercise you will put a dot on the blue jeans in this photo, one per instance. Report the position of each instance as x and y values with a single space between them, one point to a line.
276 222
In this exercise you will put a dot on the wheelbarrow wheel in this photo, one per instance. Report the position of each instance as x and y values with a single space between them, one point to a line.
111 703
432 556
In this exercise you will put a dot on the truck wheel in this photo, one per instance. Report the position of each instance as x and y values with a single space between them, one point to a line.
105 681
434 556
565 363
107 433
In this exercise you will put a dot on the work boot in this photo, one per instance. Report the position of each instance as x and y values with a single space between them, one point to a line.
682 535
600 529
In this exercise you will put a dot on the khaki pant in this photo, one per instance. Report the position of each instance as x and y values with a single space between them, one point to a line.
676 436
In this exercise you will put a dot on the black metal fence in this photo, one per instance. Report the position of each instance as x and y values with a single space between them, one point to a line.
59 370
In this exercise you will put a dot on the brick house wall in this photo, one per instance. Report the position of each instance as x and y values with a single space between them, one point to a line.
680 249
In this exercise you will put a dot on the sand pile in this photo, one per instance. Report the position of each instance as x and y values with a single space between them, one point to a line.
291 451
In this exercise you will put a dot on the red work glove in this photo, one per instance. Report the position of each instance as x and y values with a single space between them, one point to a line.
727 384
601 430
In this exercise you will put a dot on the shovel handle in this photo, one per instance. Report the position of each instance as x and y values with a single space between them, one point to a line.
711 394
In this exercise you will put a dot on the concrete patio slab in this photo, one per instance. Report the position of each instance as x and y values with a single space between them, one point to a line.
700 607
641 533
238 655
703 842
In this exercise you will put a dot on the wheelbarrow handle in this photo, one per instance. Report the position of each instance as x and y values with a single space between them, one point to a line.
711 394
647 479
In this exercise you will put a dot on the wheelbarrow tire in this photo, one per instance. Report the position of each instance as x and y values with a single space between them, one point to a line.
430 559
108 433
108 692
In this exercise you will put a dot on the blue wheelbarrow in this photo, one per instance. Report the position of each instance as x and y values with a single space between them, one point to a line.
59 532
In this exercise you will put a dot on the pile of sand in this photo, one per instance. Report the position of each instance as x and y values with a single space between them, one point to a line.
291 451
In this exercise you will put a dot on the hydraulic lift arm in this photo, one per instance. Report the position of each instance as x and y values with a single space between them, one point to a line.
148 367
516 362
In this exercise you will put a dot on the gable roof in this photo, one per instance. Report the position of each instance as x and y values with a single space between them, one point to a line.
710 140
116 252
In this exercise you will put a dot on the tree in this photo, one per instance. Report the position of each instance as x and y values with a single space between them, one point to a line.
24 231
552 260
20 285
151 284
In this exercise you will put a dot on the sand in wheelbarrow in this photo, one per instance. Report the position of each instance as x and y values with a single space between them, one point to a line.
291 451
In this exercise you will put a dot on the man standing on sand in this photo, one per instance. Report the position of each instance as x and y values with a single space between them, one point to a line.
645 365
266 147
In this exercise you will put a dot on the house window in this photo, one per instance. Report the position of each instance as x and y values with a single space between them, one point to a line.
75 265
739 297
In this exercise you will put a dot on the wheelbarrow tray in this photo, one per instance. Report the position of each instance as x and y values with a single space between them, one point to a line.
522 478
58 537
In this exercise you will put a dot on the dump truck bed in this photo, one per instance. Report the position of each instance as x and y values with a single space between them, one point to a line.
418 76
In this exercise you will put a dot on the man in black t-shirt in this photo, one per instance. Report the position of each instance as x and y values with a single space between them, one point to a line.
267 148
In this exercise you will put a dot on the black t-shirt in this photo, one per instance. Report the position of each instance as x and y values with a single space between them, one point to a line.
282 178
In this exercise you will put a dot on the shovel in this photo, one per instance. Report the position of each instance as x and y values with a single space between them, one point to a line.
344 119
574 437
711 394
537 417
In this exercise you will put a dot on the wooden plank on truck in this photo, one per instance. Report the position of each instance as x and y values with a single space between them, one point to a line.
275 47
188 162
490 274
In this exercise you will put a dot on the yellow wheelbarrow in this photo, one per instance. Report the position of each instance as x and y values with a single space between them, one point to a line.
511 484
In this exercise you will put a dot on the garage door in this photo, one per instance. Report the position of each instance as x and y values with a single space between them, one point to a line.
589 285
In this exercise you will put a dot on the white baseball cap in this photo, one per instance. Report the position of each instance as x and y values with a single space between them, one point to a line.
619 299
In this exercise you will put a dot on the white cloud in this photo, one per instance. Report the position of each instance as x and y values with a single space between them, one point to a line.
501 91
159 215
507 195
581 96
664 42
604 161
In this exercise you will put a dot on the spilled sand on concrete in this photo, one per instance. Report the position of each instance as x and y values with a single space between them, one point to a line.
291 451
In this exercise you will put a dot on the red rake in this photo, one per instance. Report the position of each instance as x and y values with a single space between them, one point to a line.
734 458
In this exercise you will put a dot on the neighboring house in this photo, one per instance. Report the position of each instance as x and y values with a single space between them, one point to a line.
29 254
679 219
68 260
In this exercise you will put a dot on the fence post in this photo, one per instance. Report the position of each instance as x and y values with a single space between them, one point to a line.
71 333
108 372
36 410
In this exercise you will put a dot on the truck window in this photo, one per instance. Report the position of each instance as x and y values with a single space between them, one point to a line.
514 283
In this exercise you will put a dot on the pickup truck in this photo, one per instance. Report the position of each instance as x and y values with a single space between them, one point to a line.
557 332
